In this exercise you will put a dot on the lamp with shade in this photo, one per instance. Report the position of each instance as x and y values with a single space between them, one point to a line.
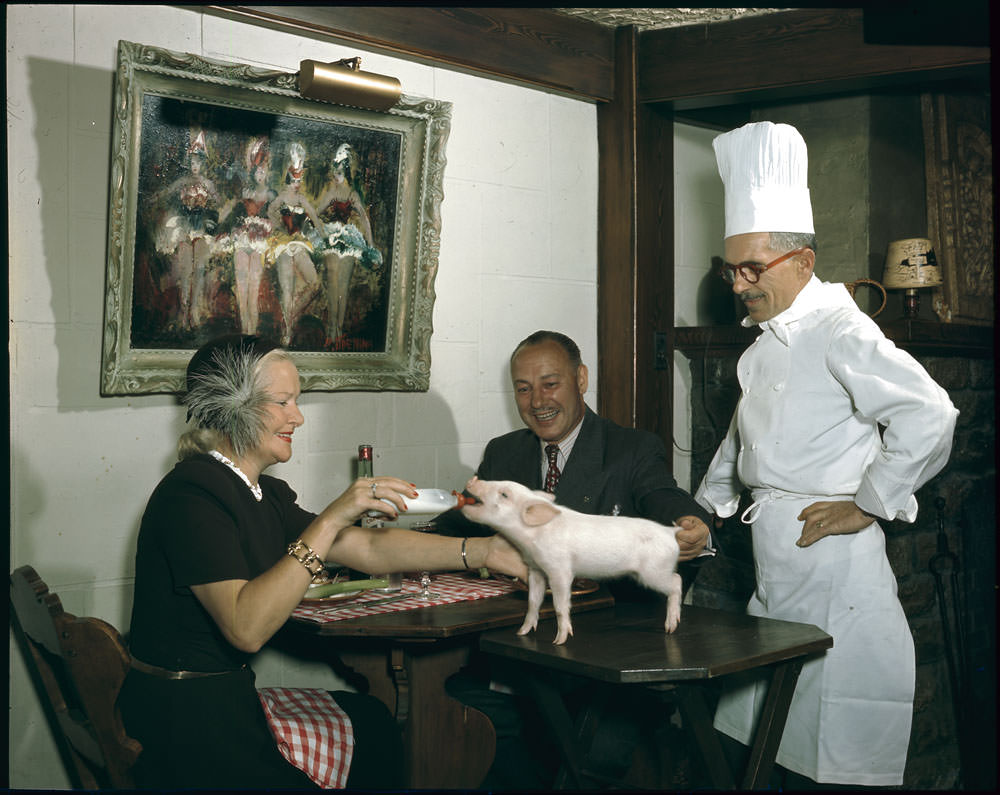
910 265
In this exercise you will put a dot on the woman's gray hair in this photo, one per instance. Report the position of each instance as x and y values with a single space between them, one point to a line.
227 395
197 441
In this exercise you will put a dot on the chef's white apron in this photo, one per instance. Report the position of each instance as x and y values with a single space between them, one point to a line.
849 720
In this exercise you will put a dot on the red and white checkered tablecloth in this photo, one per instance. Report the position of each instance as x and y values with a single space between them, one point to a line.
449 588
312 731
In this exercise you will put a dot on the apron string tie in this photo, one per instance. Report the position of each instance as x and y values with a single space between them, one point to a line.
762 498
749 516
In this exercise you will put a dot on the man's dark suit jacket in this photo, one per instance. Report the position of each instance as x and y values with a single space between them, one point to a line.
610 470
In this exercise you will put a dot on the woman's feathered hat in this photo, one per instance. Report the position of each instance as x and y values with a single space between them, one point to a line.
258 153
297 158
198 147
223 391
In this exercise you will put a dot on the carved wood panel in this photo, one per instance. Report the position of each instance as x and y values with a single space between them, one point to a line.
959 166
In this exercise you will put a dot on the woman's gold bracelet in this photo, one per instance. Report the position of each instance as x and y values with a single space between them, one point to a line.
303 553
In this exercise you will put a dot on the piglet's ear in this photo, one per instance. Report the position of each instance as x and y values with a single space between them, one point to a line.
536 514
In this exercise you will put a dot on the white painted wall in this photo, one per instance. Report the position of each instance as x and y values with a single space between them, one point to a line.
699 226
518 252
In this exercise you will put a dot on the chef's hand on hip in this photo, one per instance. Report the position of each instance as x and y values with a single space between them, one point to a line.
829 519
692 536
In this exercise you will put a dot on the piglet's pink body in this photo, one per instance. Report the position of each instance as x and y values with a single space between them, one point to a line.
559 544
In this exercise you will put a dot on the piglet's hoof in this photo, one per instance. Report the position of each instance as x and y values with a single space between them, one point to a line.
561 637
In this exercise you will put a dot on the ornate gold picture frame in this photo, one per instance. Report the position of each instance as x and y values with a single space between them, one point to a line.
238 206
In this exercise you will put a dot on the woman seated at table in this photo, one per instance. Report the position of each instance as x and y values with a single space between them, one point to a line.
224 555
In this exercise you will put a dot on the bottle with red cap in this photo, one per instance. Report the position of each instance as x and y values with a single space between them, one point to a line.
366 469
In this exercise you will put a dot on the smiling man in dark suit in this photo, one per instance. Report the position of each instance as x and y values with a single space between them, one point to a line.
603 468
594 466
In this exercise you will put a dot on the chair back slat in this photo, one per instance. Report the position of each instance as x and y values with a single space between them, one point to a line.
79 665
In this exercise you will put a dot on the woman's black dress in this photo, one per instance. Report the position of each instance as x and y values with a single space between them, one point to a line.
202 524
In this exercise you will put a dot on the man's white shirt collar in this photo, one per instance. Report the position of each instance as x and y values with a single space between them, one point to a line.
815 295
565 446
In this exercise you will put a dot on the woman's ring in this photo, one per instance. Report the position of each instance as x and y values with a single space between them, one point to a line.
818 524
374 486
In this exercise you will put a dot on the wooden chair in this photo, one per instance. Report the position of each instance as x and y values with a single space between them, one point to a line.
78 665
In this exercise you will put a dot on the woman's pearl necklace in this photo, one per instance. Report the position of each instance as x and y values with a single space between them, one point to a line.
254 487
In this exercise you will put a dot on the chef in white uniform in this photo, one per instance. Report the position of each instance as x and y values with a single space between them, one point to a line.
805 439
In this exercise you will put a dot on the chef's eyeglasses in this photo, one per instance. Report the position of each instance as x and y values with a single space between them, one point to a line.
751 271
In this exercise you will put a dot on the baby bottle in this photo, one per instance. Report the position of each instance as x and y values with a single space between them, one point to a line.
427 503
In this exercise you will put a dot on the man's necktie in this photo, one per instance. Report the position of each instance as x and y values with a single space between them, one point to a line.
552 475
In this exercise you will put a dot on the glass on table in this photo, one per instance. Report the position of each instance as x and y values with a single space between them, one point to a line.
425 576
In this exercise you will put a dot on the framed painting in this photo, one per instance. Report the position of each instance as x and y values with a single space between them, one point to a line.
238 206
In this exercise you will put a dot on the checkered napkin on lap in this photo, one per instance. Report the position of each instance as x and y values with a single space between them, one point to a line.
312 731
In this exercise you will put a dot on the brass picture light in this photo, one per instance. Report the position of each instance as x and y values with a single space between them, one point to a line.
343 83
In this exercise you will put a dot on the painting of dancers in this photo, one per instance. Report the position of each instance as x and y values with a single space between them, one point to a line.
238 206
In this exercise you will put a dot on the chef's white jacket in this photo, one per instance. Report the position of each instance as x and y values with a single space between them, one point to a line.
816 385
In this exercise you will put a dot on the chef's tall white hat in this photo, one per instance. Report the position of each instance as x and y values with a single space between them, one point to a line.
764 168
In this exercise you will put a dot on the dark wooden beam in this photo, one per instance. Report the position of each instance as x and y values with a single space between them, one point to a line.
635 253
531 46
655 272
785 54
617 259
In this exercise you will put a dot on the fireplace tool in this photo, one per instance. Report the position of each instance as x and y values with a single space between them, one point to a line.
945 568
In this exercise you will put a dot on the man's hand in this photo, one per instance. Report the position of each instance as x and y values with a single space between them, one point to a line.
829 519
503 556
692 537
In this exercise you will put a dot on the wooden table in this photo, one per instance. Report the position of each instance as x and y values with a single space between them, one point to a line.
627 646
406 657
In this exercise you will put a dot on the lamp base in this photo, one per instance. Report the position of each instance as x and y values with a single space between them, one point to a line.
911 303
